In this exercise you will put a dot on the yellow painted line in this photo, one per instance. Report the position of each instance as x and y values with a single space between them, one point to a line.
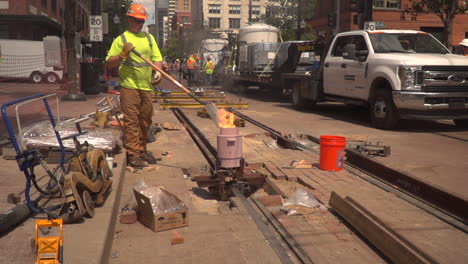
177 93
179 98
175 105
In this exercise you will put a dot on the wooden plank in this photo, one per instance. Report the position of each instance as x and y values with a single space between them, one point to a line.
392 245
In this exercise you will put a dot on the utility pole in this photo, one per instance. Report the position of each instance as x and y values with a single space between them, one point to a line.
338 7
96 53
74 94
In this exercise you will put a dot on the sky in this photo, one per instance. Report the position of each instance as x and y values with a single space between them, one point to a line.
149 5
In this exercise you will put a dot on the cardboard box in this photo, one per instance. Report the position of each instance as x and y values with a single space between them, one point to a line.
161 221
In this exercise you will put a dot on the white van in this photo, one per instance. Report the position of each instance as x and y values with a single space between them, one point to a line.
38 61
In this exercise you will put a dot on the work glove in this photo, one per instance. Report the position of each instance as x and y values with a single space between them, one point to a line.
157 77
127 48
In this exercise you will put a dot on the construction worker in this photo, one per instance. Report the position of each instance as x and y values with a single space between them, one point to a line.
209 69
464 46
191 65
136 80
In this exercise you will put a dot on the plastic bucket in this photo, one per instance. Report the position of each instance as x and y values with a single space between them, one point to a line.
332 151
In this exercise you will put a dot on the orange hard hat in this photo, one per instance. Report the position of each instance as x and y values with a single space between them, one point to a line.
137 11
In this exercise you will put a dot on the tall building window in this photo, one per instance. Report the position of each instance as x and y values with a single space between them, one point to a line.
44 4
393 4
214 22
255 10
234 9
234 23
214 9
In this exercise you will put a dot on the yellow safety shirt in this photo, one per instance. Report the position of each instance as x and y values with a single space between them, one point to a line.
136 77
209 67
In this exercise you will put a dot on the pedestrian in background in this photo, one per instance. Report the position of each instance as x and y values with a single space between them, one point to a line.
191 65
209 69
136 82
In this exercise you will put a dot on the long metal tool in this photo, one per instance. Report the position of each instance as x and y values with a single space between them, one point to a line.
210 107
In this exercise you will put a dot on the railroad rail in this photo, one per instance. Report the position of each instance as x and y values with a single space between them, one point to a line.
266 224
439 202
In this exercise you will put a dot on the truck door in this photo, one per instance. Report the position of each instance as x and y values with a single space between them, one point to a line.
355 79
334 71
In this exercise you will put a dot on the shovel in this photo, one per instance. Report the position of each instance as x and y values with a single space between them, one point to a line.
210 107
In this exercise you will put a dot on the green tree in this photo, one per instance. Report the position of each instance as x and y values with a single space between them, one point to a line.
172 46
285 14
446 10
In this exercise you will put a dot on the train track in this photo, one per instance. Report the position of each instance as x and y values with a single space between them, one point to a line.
284 245
439 202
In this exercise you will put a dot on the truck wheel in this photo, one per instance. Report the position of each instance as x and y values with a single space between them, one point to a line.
51 77
461 123
298 102
36 77
384 114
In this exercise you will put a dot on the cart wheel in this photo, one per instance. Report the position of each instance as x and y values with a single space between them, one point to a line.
88 204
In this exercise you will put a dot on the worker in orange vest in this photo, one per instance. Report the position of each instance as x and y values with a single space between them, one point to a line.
191 65
209 69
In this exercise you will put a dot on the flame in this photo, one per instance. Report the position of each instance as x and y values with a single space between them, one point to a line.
225 118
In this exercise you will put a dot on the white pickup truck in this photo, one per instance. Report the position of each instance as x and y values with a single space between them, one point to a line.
397 74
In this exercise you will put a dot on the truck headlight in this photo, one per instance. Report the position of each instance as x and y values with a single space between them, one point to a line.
407 76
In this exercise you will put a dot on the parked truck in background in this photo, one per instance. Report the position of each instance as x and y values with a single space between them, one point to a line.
397 74
37 61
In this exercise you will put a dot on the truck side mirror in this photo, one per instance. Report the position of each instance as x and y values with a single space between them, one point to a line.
361 55
349 52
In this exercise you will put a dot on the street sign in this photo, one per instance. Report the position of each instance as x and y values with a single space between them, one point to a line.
370 25
95 35
95 28
95 22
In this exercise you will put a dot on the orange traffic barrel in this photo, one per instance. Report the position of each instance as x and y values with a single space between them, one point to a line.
332 151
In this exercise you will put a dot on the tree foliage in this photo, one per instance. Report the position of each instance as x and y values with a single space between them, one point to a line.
285 14
446 10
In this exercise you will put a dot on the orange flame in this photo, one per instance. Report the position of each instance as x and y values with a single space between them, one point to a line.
226 119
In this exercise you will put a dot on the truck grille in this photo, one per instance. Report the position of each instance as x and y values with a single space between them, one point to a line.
445 89
445 68
443 78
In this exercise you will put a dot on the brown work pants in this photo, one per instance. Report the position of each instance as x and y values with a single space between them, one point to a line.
137 108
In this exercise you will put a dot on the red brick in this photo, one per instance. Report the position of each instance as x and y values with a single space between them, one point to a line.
177 238
275 172
128 217
271 200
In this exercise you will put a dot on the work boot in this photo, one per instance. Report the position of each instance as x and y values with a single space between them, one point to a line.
148 157
137 162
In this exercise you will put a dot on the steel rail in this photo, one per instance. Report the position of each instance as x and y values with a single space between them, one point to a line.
447 203
208 151
266 230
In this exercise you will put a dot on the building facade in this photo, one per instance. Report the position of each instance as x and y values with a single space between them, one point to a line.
230 15
394 14
30 20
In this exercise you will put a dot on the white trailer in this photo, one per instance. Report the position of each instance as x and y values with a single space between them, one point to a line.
38 61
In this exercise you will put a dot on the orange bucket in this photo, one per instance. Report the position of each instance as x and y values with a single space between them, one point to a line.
332 151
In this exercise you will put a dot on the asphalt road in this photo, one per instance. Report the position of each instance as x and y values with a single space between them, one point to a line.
436 151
